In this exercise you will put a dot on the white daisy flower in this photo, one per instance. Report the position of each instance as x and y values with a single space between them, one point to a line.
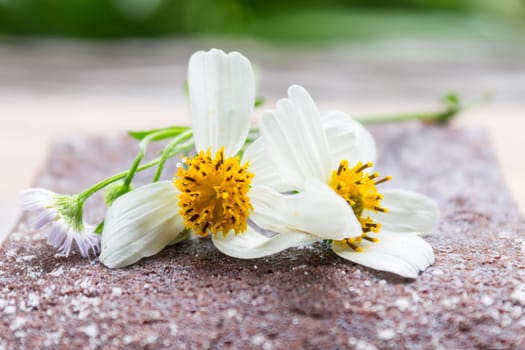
213 192
297 144
60 217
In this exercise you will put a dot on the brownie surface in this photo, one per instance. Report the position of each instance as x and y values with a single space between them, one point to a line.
192 296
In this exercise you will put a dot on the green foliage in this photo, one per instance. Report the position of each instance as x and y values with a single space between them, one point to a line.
283 20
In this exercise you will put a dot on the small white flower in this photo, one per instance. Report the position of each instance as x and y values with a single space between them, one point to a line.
211 192
297 145
60 217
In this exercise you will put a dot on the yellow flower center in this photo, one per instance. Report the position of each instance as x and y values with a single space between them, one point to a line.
213 194
358 189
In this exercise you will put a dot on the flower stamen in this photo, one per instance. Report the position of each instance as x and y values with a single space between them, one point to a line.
359 190
385 179
213 194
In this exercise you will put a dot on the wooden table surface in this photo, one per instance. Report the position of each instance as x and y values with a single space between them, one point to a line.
52 89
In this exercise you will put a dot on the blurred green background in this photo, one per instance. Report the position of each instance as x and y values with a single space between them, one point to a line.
292 20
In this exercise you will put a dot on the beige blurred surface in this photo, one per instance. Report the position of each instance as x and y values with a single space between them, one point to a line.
53 90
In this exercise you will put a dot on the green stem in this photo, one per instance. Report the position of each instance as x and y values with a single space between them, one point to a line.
452 107
173 151
170 150
395 118
162 134
103 183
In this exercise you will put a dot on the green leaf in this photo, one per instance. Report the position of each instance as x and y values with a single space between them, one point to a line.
141 134
451 98
259 101
100 227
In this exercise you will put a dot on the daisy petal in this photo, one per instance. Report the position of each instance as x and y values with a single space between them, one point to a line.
347 139
294 138
318 211
88 242
222 95
403 254
407 212
35 199
43 219
140 224
251 244
265 171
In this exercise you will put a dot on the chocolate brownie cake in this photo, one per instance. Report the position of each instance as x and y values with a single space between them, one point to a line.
192 296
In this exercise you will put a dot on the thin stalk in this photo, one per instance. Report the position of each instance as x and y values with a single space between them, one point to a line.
169 151
103 183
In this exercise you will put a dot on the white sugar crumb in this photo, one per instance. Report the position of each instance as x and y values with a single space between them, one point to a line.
437 273
85 283
505 234
523 246
267 346
487 300
17 323
10 309
116 292
450 302
128 339
11 253
258 339
150 339
25 258
402 304
20 334
33 300
57 272
359 344
415 297
386 334
519 294
174 329
232 313
52 338
91 330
